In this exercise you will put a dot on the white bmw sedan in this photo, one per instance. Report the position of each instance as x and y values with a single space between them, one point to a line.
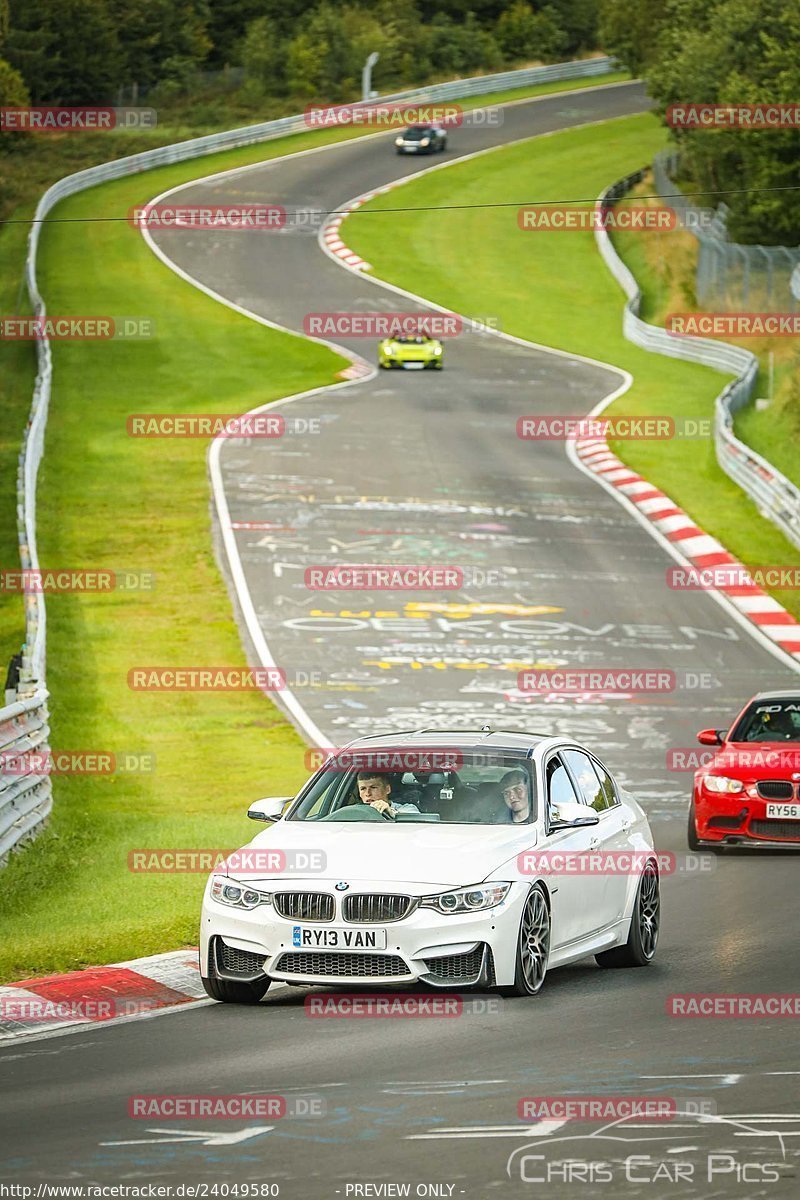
451 859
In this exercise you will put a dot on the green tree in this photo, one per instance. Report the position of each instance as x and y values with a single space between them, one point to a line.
317 59
631 31
67 51
13 94
162 39
522 33
262 57
736 52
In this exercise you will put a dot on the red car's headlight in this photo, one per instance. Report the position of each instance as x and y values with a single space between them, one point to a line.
722 783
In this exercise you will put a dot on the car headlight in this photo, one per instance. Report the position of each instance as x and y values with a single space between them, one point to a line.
721 783
437 349
425 141
468 899
237 895
398 141
388 349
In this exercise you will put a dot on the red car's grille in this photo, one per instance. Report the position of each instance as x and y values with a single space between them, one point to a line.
775 789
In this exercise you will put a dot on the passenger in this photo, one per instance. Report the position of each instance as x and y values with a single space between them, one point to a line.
516 797
374 788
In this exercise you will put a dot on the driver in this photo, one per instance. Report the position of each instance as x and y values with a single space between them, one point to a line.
778 727
374 789
514 790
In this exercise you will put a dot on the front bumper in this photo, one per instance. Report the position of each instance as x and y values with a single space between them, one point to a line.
395 361
741 818
425 947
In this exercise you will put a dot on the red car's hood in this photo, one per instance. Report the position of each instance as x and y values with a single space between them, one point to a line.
756 760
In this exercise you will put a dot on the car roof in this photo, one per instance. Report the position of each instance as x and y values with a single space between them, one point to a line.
516 740
786 694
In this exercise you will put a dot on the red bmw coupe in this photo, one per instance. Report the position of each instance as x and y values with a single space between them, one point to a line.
749 793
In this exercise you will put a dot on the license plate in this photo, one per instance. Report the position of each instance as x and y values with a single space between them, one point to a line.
413 366
311 937
783 812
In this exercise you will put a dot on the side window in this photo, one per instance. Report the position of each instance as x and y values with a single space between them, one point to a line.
606 785
589 786
559 784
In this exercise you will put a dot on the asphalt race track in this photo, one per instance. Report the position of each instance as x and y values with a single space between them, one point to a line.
427 468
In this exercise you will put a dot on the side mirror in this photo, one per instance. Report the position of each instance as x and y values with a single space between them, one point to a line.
269 809
572 816
711 737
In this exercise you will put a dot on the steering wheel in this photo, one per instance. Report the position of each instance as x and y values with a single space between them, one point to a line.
357 812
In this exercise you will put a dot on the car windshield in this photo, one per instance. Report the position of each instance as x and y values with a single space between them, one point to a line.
472 789
412 340
769 721
415 132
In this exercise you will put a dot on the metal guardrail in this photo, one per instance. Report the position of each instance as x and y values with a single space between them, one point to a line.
26 799
729 275
776 496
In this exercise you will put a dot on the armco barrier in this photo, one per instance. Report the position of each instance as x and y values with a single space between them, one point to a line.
777 498
25 802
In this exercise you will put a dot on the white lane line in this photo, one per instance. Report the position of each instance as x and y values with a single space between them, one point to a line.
727 1080
543 1129
200 1137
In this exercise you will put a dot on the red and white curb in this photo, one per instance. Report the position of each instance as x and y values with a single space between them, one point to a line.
359 370
698 547
99 994
333 241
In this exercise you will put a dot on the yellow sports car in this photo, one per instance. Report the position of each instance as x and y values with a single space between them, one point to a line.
414 351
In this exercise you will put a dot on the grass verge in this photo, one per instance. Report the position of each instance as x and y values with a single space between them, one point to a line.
666 270
555 289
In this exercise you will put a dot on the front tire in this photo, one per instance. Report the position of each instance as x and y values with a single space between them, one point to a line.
691 832
640 948
533 946
231 991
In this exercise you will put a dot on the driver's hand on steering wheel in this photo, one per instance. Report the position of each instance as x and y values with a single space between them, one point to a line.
382 806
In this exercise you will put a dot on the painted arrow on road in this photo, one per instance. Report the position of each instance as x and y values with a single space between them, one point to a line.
196 1137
